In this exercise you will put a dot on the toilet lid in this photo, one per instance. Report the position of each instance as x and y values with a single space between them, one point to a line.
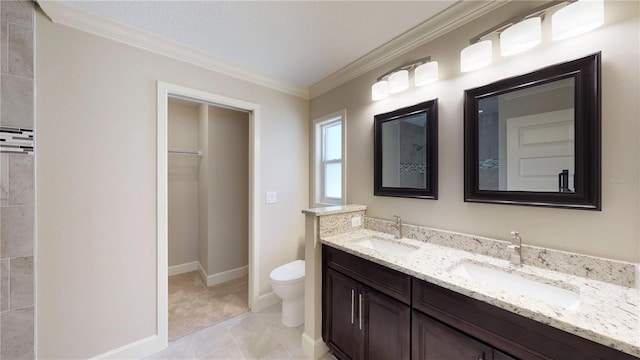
290 271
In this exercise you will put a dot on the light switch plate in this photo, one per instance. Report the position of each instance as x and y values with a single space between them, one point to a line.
356 221
271 197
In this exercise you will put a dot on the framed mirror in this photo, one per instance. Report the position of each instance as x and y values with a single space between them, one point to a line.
406 152
535 139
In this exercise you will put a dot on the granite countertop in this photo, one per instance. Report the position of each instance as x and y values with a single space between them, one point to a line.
608 314
333 210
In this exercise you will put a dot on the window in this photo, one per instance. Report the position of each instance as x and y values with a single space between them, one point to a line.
329 146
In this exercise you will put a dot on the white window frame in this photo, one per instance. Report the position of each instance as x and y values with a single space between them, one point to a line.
318 165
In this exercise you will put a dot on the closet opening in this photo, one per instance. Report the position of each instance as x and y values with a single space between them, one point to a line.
208 173
207 211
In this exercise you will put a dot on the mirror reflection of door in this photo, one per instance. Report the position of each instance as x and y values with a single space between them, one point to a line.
404 163
526 139
539 148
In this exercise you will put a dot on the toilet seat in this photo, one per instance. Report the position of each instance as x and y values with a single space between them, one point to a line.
289 273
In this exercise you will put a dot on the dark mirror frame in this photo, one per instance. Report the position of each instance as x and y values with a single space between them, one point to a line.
431 140
586 74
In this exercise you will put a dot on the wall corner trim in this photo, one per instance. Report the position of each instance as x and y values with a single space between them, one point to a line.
313 348
61 12
448 20
266 300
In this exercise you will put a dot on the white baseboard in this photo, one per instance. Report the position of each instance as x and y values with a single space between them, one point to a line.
313 349
264 301
183 268
135 350
219 278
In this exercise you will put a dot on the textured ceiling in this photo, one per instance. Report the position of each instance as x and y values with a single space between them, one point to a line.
302 42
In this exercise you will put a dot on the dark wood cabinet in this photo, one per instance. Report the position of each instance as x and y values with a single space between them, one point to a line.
513 334
499 355
376 313
433 340
360 322
341 294
386 327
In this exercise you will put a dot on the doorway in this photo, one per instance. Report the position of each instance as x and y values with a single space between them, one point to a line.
168 91
208 165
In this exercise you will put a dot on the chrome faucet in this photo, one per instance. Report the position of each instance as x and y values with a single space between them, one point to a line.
516 249
398 226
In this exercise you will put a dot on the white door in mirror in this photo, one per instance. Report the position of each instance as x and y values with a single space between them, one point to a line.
539 147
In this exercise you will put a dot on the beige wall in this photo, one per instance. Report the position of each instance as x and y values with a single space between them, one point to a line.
228 189
183 183
611 233
96 185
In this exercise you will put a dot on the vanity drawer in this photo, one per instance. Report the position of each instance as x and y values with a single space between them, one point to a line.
517 335
388 281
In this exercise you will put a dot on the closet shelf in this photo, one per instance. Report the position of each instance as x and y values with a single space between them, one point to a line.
185 152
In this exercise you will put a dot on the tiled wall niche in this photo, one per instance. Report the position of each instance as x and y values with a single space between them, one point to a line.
16 180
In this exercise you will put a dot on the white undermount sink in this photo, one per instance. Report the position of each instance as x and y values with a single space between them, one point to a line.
387 247
517 283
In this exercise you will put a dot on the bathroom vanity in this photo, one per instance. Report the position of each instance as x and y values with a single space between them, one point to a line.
366 308
378 303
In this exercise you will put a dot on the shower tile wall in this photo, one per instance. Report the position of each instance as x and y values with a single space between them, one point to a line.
16 183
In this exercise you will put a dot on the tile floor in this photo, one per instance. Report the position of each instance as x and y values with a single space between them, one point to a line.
259 335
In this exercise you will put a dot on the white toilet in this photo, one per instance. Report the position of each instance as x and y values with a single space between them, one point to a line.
287 281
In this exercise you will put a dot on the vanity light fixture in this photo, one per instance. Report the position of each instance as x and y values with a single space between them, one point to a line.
398 81
577 18
476 56
426 74
380 90
424 70
524 31
521 37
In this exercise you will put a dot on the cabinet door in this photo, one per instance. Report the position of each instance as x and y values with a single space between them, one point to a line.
499 355
433 340
387 327
341 333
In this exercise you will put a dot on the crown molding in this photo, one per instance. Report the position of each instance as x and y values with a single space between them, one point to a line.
68 15
453 17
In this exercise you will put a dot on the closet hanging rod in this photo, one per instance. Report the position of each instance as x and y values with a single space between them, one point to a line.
186 152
